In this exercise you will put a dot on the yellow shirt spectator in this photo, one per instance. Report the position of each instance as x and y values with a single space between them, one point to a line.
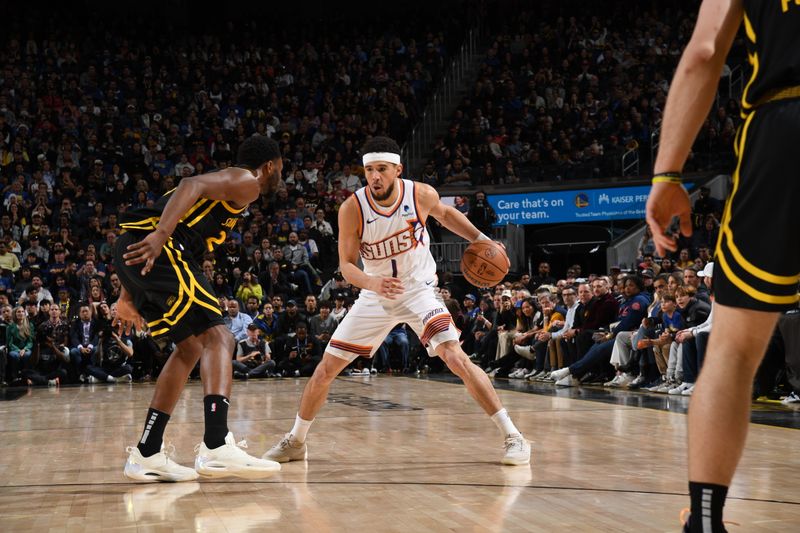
8 261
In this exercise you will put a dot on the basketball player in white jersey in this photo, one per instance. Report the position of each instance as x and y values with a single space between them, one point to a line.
384 223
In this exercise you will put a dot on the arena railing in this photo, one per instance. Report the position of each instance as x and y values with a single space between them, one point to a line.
441 105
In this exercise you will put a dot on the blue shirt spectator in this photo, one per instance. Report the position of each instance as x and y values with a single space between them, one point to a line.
237 322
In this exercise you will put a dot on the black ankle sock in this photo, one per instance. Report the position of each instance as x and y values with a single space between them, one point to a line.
216 411
707 503
153 434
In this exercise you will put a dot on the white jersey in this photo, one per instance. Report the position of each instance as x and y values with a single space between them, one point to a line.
394 240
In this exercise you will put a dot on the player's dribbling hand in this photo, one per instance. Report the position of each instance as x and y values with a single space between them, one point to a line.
506 250
389 288
668 200
146 251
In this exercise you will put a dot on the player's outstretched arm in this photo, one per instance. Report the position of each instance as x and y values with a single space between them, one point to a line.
689 100
349 245
450 217
235 185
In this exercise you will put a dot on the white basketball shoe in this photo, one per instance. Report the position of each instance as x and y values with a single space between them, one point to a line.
231 460
518 450
157 467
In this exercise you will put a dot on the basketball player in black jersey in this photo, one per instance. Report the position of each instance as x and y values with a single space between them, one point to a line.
757 259
158 259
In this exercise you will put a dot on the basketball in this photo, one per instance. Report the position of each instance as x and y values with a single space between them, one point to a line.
485 263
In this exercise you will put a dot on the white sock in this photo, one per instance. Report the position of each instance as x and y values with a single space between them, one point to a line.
301 427
504 423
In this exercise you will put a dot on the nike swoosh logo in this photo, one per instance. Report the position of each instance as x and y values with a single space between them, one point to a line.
428 283
371 221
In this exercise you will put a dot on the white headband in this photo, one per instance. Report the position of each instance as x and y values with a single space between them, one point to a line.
388 157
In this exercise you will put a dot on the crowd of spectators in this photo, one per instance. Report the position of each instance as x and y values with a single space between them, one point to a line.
567 88
646 329
102 114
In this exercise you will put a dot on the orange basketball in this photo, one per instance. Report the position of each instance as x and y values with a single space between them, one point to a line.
485 263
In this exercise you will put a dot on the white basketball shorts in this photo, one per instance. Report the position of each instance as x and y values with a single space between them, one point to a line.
372 317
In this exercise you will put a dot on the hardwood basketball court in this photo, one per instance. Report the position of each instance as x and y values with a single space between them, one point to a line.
387 453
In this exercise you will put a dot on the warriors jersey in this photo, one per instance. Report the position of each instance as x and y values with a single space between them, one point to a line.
394 241
771 29
762 205
204 226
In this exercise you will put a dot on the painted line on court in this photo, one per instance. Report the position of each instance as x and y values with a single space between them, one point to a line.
407 483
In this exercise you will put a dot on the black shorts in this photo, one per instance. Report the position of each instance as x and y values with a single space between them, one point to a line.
757 260
174 298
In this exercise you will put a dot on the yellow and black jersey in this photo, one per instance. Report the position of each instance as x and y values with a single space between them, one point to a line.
772 27
202 229
763 202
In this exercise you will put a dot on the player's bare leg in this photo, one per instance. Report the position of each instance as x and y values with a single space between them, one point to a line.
478 383
518 450
316 391
293 445
719 411
172 379
216 369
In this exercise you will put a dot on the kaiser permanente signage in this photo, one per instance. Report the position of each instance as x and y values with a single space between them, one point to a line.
587 205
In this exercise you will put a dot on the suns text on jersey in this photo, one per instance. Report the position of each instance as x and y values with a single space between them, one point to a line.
393 245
